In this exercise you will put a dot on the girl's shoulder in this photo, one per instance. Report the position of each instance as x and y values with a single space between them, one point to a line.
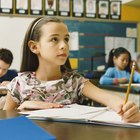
72 74
26 75
23 79
111 69
74 77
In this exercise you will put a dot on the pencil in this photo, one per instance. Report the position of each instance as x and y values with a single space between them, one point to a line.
130 81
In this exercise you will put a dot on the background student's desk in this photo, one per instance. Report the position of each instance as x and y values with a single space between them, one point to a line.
121 91
73 131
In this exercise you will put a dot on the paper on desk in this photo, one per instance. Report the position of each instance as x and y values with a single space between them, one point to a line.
82 114
74 111
132 85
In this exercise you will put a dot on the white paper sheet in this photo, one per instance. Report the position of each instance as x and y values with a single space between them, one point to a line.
82 114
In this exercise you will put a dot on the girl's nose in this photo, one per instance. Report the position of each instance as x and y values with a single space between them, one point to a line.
63 46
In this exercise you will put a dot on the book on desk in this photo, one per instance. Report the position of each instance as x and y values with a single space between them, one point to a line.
21 128
81 114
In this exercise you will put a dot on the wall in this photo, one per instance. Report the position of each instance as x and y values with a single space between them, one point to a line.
16 27
12 31
132 14
139 37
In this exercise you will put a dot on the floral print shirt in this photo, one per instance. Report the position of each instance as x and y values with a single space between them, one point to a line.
64 91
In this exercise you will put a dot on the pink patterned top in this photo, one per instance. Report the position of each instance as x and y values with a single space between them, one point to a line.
65 91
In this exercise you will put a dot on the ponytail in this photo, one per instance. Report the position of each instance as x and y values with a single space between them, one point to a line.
110 58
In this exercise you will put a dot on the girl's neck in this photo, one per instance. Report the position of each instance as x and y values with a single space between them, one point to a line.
48 74
119 69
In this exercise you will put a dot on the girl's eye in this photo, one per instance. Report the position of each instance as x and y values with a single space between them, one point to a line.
54 39
67 40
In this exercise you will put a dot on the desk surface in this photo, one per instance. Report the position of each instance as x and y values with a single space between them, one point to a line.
73 131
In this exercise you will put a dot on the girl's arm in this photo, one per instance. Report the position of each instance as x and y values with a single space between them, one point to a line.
9 104
107 78
129 112
32 105
136 77
101 96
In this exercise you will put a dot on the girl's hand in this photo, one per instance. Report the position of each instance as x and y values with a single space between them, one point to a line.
123 80
4 83
130 112
38 105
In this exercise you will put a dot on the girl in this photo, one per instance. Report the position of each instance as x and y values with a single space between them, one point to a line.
118 71
138 63
46 83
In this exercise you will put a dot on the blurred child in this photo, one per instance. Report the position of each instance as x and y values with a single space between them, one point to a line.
6 58
119 69
138 63
6 75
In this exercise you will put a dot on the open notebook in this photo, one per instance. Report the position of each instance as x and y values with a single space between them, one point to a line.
81 114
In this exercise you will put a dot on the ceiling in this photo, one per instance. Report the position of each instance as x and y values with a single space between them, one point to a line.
135 3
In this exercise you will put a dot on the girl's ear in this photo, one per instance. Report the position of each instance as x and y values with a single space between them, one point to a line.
33 45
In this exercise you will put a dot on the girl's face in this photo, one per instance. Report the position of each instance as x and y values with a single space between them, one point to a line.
53 46
122 61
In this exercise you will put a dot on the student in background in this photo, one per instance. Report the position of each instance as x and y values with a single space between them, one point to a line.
119 68
45 82
6 75
138 63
